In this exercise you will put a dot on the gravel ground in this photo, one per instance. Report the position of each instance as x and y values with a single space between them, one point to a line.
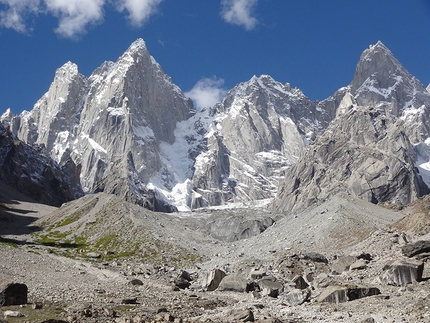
79 289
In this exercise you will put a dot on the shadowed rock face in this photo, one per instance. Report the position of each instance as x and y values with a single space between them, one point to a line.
28 170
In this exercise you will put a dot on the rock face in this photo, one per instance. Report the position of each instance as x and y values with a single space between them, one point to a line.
258 131
114 124
368 149
31 172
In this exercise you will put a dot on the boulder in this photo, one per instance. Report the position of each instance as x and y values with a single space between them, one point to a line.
342 264
213 279
403 272
257 274
13 293
269 286
413 249
315 256
300 282
7 314
358 265
296 296
241 316
234 283
340 294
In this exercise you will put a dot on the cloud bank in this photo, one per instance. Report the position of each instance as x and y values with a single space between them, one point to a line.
239 12
74 16
207 92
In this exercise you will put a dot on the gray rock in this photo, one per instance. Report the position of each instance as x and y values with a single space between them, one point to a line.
213 279
340 294
13 293
9 313
257 273
358 265
234 283
241 316
403 272
300 282
269 286
416 248
93 255
296 296
236 227
342 264
315 256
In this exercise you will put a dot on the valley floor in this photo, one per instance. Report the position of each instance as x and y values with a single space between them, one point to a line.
77 288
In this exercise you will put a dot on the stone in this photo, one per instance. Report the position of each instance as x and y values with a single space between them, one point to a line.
8 313
342 264
213 279
315 256
300 282
296 296
368 320
416 248
340 294
403 272
13 293
37 306
241 316
136 282
93 255
257 274
234 283
269 286
181 282
358 265
129 301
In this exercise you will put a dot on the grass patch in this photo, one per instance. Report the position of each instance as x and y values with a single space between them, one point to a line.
8 242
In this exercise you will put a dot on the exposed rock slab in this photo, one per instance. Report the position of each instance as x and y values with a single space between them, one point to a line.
403 272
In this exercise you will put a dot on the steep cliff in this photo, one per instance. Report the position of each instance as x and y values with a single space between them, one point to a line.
370 148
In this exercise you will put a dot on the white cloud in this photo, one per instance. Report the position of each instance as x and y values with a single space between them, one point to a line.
207 92
74 16
14 16
139 10
239 12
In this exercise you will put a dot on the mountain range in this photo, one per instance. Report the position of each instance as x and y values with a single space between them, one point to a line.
130 131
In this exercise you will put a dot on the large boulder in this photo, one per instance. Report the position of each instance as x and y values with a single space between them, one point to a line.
13 293
270 286
234 283
340 294
403 272
416 248
213 279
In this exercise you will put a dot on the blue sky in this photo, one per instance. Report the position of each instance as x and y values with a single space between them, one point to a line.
208 45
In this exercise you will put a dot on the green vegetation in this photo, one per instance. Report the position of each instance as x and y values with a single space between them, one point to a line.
8 242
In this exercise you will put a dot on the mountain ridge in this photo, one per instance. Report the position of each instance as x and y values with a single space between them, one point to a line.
128 123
